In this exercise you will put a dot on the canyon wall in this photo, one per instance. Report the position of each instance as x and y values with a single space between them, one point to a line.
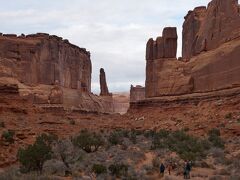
206 29
211 51
44 59
49 71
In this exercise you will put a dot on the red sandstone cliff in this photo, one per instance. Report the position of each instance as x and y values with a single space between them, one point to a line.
211 51
49 70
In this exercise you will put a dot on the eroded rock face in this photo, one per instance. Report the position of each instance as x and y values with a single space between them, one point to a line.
56 95
43 59
191 27
103 84
137 93
49 71
206 29
163 47
211 51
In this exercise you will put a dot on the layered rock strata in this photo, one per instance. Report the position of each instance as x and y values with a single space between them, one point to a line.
48 70
210 55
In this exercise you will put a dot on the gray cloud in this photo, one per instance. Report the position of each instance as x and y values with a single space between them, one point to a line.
115 31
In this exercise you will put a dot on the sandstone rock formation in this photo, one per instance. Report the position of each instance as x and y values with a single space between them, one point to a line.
206 29
210 55
34 63
137 93
163 47
56 95
43 59
103 84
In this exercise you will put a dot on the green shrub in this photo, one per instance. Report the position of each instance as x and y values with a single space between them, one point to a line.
133 137
118 170
116 137
87 141
238 121
8 136
186 146
215 139
99 169
33 157
149 133
156 162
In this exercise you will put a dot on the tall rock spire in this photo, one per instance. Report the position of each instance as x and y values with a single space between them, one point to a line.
103 84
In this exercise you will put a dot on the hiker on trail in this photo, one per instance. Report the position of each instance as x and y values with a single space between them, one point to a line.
184 173
186 170
170 168
162 169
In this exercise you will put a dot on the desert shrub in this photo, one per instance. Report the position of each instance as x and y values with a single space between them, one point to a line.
47 138
156 162
55 167
87 141
99 169
8 136
186 146
149 133
116 137
217 152
228 116
133 137
33 157
236 162
14 174
215 139
118 170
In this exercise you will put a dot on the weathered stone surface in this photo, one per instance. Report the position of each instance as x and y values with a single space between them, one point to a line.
137 93
49 71
191 27
163 47
206 30
167 77
43 59
103 84
170 42
56 95
9 88
149 49
211 51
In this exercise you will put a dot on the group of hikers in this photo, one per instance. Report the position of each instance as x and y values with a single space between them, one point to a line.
186 169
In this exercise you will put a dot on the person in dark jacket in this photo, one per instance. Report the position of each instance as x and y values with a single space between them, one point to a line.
188 169
162 169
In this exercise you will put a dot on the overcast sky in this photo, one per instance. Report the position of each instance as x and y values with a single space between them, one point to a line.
114 31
